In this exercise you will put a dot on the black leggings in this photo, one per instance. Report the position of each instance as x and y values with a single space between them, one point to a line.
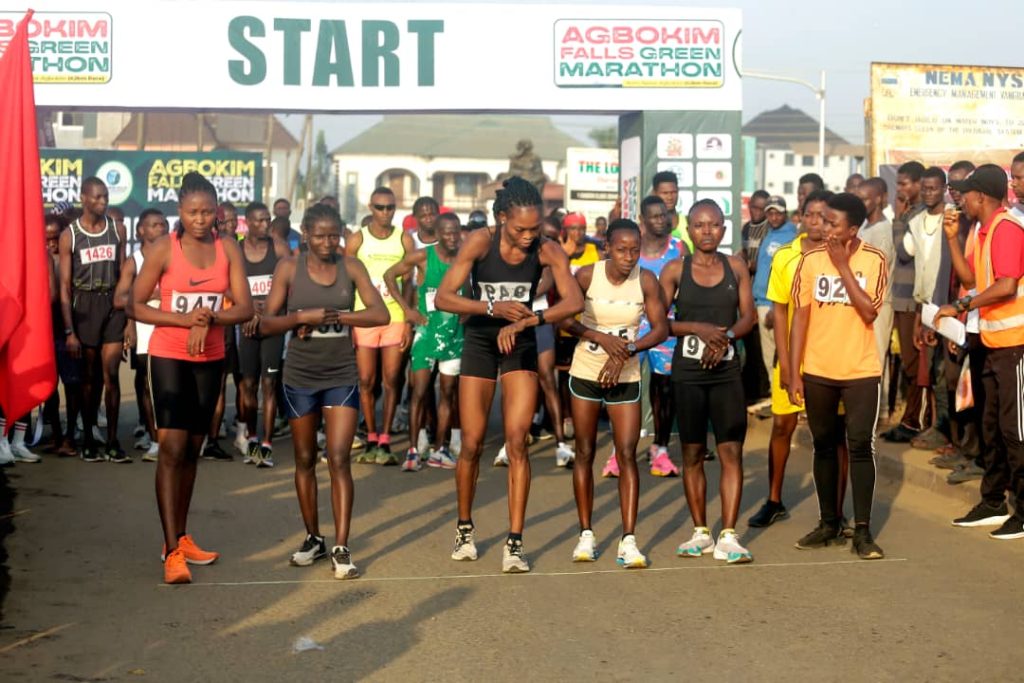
860 399
663 406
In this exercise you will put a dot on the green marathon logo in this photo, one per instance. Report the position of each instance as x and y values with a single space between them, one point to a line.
119 181
380 44
65 47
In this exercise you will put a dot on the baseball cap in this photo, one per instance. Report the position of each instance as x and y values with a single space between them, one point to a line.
409 222
477 219
776 202
574 219
987 179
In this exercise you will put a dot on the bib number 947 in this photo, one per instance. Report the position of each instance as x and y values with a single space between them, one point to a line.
186 302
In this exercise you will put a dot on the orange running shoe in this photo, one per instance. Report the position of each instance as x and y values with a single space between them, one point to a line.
193 553
175 569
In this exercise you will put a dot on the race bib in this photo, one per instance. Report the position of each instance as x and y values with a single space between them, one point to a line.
97 254
428 300
505 291
186 302
333 331
693 348
829 289
259 285
625 333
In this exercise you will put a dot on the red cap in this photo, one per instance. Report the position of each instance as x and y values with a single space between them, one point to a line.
409 222
574 219
444 210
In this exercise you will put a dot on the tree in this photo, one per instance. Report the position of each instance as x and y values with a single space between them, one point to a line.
321 179
607 138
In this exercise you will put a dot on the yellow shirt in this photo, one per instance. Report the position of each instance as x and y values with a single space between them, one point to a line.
780 281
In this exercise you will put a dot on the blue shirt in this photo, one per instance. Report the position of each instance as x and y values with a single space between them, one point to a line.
660 356
772 242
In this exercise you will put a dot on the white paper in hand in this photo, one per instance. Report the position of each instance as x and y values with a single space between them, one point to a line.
950 328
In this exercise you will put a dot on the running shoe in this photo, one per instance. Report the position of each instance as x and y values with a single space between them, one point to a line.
21 453
266 457
142 441
115 454
564 457
341 562
845 528
442 458
950 461
193 553
152 455
465 548
368 456
929 440
729 549
501 459
513 561
423 442
628 555
769 513
585 550
175 569
699 544
358 444
864 545
385 457
242 443
412 461
139 432
313 548
900 434
67 449
455 446
91 453
321 439
984 514
6 456
252 453
538 433
823 535
969 472
611 468
662 465
1012 529
213 451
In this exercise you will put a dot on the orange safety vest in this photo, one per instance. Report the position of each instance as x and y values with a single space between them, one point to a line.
1001 325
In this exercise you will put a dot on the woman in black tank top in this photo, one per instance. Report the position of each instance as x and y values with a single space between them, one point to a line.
714 305
321 381
505 265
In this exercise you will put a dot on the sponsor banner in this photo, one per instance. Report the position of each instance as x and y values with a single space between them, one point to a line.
591 182
318 56
939 114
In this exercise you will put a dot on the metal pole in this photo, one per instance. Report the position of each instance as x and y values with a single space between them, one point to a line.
821 126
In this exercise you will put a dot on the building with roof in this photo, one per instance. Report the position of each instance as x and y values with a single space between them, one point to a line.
452 158
787 148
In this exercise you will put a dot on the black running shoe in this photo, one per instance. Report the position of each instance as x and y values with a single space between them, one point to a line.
823 535
864 545
116 454
769 513
213 451
91 453
1011 529
984 514
313 548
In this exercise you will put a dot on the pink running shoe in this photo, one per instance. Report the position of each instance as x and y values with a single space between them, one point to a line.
611 468
662 465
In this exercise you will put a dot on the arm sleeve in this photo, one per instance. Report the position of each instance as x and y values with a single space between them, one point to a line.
1008 251
881 277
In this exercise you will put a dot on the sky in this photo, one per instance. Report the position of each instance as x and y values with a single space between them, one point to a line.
799 38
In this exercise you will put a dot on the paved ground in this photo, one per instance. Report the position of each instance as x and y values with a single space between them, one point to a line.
86 602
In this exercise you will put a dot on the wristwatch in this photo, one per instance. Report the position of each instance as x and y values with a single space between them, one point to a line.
540 317
69 331
730 334
963 304
631 348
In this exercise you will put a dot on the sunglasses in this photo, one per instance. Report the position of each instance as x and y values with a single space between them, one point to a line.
384 207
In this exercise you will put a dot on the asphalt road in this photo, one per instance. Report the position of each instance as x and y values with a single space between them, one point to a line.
86 602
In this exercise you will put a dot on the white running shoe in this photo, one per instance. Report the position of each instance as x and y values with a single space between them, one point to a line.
629 556
585 550
313 549
699 544
252 453
321 439
341 561
242 442
139 430
442 458
513 561
423 442
23 454
152 453
465 548
143 442
455 445
564 457
729 549
501 459
6 456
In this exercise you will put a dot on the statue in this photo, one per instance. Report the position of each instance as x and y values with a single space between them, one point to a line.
527 165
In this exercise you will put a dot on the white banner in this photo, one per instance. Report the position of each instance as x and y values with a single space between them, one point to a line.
591 182
342 57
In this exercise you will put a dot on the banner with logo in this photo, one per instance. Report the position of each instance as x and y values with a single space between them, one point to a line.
318 56
591 182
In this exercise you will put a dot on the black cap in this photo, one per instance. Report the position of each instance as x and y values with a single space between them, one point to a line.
477 219
987 179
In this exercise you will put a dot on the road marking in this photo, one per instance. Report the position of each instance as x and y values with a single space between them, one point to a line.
42 634
457 577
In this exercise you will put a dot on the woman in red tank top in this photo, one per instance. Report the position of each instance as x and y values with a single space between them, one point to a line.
196 271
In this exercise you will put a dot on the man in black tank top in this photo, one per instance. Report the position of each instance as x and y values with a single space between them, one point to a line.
259 356
499 339
91 253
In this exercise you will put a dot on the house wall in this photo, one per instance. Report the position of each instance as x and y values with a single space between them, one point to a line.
779 170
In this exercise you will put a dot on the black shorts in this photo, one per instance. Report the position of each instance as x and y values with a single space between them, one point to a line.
589 390
184 393
722 403
481 357
260 356
565 347
95 319
231 349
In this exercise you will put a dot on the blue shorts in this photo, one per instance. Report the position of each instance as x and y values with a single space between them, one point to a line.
300 402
